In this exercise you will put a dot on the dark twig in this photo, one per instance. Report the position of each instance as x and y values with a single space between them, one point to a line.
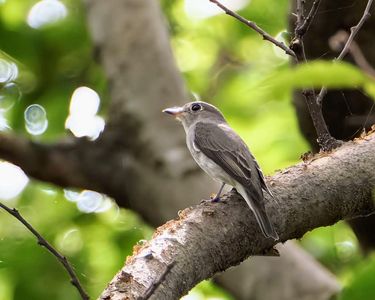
255 27
296 50
156 284
300 11
302 27
41 241
325 140
353 32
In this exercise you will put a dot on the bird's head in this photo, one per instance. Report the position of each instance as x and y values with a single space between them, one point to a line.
193 112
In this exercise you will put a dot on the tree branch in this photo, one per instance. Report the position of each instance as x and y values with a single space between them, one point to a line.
304 24
57 163
317 193
43 242
297 51
353 32
325 140
150 291
337 42
300 11
255 27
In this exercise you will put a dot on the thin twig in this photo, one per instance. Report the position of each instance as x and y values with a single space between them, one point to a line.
302 28
255 27
296 50
156 284
43 242
325 140
337 42
300 10
353 32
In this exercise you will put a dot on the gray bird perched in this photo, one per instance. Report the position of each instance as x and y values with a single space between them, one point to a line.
223 155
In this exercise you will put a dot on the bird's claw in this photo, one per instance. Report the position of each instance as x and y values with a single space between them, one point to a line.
211 200
215 198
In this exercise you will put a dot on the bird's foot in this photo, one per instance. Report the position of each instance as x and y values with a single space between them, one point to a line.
206 201
215 198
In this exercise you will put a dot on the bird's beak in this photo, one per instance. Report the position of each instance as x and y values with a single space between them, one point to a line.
174 111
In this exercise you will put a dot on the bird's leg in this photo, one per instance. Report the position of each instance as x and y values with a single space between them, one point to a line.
217 197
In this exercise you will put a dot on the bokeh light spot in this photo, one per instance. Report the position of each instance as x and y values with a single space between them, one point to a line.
36 121
71 196
12 180
84 101
282 36
82 126
345 250
46 12
70 241
82 120
105 205
10 94
89 201
3 122
8 71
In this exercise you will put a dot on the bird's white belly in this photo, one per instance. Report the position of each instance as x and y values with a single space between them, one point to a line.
211 168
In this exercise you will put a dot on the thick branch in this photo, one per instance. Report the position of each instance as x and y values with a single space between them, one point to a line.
219 235
56 163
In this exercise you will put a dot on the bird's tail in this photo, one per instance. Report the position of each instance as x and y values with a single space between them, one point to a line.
256 203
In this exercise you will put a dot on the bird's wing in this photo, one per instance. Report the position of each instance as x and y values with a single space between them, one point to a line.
262 180
222 145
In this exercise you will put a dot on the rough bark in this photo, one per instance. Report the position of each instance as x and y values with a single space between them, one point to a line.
346 112
330 188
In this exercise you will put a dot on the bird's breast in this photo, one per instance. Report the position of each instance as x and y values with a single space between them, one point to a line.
207 164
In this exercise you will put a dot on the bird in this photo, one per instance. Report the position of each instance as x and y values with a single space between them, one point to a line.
224 156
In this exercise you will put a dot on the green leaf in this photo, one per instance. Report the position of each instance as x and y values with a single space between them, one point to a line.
317 74
362 285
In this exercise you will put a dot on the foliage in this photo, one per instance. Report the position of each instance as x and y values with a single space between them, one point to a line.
222 61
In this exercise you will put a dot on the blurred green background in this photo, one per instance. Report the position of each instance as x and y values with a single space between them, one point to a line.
46 54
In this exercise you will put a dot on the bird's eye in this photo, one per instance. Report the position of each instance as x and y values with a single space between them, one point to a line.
196 107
